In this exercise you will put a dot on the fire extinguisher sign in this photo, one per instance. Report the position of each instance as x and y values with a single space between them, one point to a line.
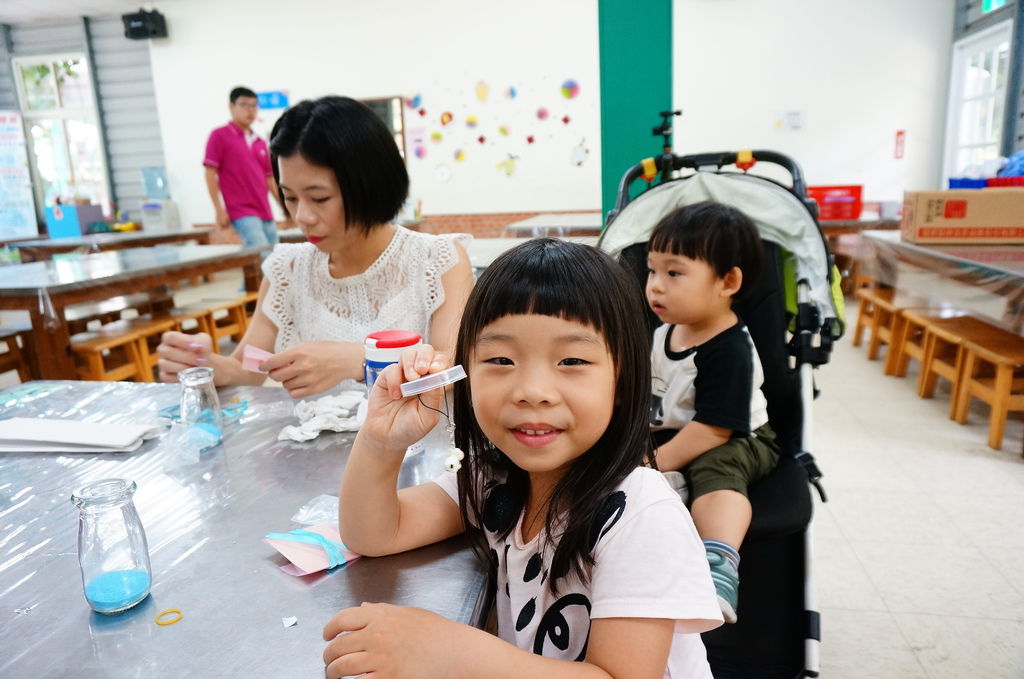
901 140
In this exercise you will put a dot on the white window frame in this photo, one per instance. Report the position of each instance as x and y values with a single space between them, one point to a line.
89 113
962 48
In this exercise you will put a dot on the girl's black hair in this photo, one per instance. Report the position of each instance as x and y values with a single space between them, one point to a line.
576 283
346 136
715 233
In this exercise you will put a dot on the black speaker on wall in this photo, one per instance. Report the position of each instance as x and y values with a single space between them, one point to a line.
142 25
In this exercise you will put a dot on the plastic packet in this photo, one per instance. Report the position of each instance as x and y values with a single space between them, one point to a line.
321 509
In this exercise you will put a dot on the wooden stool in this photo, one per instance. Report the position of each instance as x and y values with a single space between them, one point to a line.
107 355
992 372
943 355
881 311
909 342
233 323
14 359
148 331
867 309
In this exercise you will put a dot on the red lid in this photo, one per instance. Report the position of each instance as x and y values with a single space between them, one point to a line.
393 339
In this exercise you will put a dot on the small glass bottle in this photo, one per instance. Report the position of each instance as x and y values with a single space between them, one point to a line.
112 549
200 407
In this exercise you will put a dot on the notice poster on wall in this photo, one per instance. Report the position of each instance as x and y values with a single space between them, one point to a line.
17 206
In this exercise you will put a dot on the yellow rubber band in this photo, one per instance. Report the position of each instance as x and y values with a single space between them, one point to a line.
171 611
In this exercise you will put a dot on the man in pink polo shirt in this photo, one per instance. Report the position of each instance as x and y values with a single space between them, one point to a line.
238 170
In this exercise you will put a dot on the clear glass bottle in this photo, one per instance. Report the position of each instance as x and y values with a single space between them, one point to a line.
112 549
200 407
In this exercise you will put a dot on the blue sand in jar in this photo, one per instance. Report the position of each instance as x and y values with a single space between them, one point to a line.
117 590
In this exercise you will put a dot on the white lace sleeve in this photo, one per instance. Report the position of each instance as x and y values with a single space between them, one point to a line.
443 258
279 269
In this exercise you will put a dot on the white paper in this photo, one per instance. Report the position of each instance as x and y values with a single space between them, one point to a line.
26 433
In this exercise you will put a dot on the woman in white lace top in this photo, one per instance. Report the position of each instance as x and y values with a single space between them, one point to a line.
342 181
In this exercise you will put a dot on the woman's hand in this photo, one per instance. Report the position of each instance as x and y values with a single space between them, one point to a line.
179 351
390 641
312 367
394 422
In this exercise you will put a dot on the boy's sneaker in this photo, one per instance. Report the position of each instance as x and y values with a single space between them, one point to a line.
727 583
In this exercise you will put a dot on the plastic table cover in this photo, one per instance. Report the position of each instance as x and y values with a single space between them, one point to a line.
987 280
205 522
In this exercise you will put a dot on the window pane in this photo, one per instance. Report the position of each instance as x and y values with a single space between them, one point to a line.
40 90
972 77
51 159
1002 60
73 83
86 161
995 124
987 81
968 120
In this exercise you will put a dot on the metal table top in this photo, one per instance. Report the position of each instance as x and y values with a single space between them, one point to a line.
205 523
107 267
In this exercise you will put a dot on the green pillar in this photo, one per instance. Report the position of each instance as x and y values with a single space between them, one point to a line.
636 83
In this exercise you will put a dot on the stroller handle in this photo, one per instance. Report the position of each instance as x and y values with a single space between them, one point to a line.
717 160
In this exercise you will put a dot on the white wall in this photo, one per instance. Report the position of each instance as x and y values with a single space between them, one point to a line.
386 48
858 72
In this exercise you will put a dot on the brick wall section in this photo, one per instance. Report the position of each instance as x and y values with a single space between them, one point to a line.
489 225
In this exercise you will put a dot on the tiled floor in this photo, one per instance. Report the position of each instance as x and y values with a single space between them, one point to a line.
919 552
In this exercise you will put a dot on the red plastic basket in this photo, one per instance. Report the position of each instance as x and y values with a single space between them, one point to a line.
837 202
1006 181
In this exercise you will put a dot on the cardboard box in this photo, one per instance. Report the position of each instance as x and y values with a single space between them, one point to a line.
986 216
68 221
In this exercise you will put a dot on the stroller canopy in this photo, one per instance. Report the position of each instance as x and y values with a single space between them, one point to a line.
780 218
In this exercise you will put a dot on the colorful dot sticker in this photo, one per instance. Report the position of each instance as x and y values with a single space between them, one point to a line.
481 139
530 139
566 119
570 89
471 122
423 112
420 151
482 90
415 101
511 92
446 118
436 137
542 114
503 130
460 155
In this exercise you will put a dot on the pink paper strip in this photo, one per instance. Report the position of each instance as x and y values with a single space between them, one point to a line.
252 357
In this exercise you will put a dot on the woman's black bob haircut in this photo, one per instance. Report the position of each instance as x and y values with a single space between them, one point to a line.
715 233
577 283
346 136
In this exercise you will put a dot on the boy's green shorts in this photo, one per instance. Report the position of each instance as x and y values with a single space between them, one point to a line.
734 465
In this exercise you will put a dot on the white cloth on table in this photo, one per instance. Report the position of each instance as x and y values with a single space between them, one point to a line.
344 411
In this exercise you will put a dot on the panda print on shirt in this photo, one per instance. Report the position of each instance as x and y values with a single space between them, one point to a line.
555 626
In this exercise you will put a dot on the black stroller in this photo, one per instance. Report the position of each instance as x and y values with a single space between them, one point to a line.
793 313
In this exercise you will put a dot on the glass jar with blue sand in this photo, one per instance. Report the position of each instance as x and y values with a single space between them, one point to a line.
112 549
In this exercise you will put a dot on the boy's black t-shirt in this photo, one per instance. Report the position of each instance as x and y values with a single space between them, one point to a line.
717 383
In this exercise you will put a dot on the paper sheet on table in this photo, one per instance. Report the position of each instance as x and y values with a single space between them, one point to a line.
305 558
29 434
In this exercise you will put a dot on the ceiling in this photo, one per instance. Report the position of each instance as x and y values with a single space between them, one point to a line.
53 11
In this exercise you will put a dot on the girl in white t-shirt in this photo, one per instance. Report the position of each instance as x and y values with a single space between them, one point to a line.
598 569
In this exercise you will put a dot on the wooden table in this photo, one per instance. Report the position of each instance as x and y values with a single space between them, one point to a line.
557 224
44 289
483 251
205 521
45 248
